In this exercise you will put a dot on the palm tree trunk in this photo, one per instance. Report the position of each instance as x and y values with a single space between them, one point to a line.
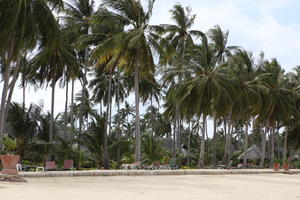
106 160
11 88
225 137
263 147
272 146
110 111
51 126
285 143
3 99
189 144
72 105
6 66
174 138
24 94
66 109
228 142
214 150
245 145
229 153
118 128
202 146
100 107
177 116
278 141
137 116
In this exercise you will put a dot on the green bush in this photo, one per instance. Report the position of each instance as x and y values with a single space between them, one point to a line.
296 164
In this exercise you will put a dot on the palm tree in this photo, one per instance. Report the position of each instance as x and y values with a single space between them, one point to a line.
77 14
179 38
24 24
50 64
207 89
244 73
93 139
104 26
23 124
131 49
277 101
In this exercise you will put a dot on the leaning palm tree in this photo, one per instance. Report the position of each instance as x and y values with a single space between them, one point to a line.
130 50
24 24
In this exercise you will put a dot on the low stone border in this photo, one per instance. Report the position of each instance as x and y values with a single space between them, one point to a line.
150 172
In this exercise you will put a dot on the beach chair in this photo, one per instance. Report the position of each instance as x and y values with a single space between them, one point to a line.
19 167
50 165
68 164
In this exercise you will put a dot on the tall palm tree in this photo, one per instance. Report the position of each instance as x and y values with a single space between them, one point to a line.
244 73
206 89
24 24
77 13
50 64
277 99
131 50
179 38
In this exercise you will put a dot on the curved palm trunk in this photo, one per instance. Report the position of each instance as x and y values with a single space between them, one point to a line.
6 65
66 109
202 146
11 89
3 99
245 145
137 116
107 121
51 126
263 147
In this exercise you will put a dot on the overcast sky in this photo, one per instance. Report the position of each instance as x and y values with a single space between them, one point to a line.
272 26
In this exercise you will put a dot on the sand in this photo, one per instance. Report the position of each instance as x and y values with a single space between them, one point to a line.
213 187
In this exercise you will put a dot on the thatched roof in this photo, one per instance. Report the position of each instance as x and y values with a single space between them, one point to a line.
252 153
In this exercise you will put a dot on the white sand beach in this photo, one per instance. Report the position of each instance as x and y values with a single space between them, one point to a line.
213 187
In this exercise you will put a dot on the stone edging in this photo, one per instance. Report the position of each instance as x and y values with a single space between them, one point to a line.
149 172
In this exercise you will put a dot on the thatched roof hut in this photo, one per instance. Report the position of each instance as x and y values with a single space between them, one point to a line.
252 153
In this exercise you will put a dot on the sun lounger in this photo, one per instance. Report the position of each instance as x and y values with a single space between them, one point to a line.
68 164
50 165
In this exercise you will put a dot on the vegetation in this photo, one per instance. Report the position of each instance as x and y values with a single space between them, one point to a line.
186 80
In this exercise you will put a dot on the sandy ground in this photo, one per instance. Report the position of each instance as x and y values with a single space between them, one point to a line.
213 187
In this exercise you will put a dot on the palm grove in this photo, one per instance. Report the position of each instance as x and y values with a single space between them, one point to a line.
111 51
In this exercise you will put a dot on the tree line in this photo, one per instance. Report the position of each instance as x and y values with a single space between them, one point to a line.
112 51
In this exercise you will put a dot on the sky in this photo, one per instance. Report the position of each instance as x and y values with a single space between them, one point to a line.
272 26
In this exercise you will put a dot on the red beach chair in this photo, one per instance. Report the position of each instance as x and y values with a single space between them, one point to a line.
50 165
68 164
